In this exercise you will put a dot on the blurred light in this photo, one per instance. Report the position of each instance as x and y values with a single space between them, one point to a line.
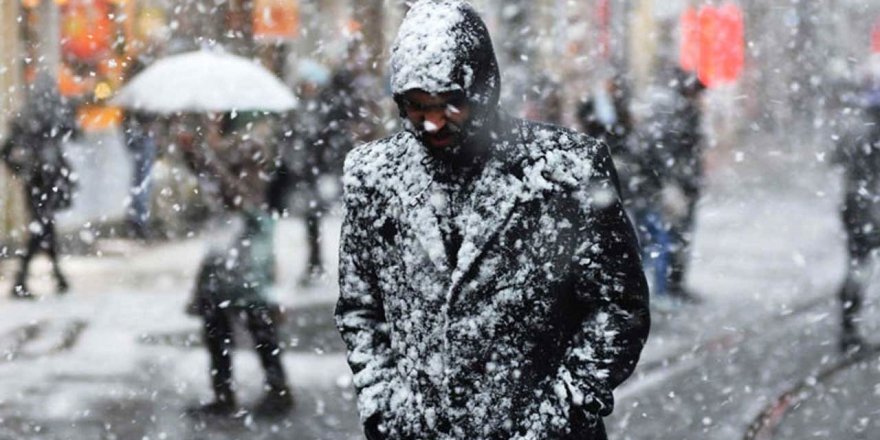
103 90
713 43
689 47
875 37
70 84
93 118
276 19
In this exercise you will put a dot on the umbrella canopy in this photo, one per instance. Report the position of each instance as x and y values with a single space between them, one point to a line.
205 81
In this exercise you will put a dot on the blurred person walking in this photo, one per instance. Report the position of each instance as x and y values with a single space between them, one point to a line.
673 144
301 162
858 132
234 284
605 115
330 120
140 140
490 281
33 151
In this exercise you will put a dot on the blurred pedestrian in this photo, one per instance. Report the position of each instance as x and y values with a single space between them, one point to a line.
234 284
140 140
857 130
341 104
33 151
301 162
605 115
544 101
324 129
490 282
675 143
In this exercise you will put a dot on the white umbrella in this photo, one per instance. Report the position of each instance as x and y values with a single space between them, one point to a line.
204 81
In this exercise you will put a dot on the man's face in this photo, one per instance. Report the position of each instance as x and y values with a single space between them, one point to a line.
440 119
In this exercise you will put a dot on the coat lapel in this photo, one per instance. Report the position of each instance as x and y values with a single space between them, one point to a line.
414 191
496 193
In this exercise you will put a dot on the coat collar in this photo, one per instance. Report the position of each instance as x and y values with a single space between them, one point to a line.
497 191
414 190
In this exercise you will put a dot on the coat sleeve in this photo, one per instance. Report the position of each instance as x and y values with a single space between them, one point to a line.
360 315
610 283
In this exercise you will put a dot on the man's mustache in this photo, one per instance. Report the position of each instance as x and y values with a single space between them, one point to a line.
448 129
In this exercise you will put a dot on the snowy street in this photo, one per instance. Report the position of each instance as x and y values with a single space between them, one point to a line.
174 261
117 358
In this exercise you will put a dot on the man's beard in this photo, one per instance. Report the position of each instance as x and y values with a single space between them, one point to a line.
448 152
463 151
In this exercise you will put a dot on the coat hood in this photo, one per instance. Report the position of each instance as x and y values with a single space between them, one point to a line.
444 46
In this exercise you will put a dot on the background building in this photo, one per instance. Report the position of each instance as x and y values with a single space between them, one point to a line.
11 212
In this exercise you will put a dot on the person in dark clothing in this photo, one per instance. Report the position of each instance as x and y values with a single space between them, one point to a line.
140 140
340 107
858 134
302 163
490 281
234 283
33 152
675 154
322 133
605 115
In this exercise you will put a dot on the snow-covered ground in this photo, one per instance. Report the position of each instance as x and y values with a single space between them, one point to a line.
117 358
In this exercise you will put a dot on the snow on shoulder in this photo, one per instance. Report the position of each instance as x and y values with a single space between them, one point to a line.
560 158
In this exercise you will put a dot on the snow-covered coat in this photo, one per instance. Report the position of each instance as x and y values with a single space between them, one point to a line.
525 331
543 316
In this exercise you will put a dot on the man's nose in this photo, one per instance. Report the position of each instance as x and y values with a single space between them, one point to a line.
435 121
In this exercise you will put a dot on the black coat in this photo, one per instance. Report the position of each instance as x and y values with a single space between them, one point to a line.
858 152
33 153
493 291
544 315
672 143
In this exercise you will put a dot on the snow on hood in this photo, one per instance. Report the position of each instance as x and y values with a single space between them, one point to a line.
443 46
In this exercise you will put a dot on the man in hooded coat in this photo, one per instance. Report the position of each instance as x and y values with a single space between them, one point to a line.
33 151
490 282
858 140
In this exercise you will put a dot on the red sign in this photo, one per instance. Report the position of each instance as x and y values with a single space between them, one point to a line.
732 51
689 47
713 43
875 37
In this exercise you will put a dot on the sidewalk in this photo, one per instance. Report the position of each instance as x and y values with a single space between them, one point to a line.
118 358
768 259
